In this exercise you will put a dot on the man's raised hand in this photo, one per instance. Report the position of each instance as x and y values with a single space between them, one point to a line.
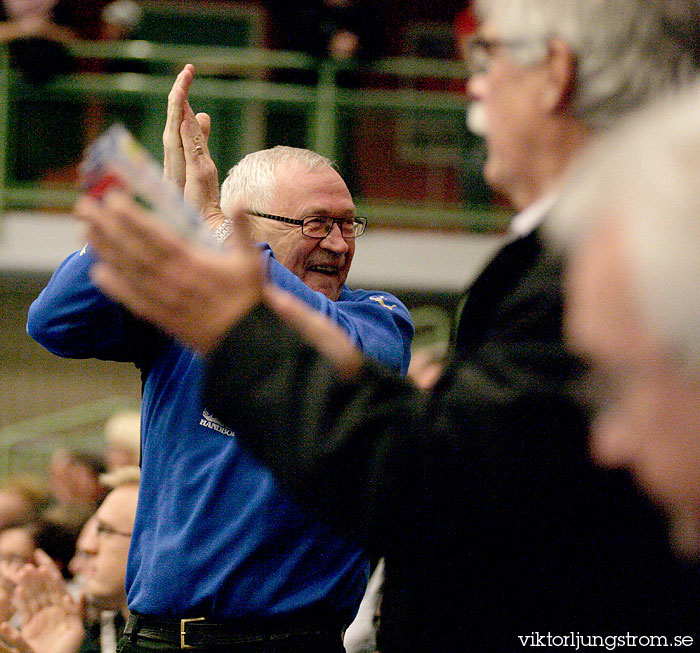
186 159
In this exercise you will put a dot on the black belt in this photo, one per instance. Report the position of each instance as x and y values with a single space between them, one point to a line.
198 632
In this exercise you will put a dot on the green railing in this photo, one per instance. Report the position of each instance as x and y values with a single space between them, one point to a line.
236 85
27 446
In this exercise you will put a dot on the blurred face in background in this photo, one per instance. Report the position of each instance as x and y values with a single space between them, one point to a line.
16 547
14 508
74 482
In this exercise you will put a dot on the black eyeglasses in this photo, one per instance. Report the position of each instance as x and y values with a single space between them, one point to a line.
481 50
318 226
105 529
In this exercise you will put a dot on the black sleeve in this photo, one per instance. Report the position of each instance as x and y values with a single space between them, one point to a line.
331 443
472 490
378 457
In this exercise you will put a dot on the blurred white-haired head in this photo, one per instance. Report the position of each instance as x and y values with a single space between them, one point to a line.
646 176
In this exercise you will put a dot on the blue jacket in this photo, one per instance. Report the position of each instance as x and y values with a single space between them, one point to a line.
215 536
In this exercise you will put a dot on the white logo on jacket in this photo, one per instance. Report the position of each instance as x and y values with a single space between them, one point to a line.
210 422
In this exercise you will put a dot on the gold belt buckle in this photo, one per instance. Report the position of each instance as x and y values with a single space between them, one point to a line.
183 625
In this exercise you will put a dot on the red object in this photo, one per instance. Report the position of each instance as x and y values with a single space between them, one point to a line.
106 183
465 22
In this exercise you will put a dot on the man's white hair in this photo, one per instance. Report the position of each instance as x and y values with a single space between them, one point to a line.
627 51
253 180
646 175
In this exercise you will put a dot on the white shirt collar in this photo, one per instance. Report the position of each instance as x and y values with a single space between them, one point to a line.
530 218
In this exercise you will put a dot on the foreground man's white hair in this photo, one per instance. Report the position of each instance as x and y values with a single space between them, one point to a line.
646 176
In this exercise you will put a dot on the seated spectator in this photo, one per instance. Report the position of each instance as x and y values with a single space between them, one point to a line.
18 547
47 136
74 477
54 620
119 19
18 544
22 499
14 508
36 31
108 542
337 29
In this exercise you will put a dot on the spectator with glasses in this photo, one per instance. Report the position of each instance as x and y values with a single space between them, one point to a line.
315 241
52 618
219 550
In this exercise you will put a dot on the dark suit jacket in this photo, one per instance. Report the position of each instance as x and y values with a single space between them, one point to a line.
481 495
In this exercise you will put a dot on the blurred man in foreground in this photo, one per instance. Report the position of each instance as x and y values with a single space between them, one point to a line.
629 220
